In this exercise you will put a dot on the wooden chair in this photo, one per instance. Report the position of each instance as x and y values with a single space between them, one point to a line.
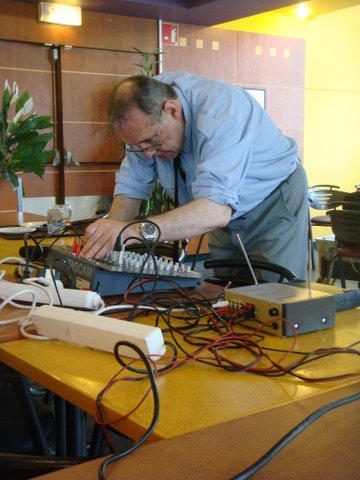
345 224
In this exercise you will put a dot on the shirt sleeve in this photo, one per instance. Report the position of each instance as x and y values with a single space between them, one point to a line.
241 160
135 177
224 157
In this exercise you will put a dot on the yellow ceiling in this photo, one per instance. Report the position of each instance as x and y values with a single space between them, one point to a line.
319 7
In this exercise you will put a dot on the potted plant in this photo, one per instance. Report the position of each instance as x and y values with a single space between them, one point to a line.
22 147
159 200
147 61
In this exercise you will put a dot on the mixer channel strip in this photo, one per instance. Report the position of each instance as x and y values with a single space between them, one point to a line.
118 270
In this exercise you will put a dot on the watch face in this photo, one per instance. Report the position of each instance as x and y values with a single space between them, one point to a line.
148 231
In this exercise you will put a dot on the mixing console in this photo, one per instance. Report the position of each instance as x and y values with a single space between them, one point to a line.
118 270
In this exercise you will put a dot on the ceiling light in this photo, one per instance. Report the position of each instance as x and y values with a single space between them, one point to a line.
303 11
59 13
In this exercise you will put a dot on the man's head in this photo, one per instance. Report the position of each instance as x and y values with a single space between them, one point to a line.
147 115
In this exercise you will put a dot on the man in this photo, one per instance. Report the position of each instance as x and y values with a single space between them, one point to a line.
237 173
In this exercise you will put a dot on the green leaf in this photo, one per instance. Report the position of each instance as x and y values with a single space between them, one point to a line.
6 103
21 101
10 175
23 145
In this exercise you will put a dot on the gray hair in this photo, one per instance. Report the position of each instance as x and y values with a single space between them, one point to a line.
138 91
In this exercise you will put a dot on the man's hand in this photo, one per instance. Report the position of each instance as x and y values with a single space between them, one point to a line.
195 218
100 237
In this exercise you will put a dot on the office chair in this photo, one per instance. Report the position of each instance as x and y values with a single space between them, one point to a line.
26 423
238 273
319 197
345 224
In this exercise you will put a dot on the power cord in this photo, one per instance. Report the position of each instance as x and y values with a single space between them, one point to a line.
255 467
149 431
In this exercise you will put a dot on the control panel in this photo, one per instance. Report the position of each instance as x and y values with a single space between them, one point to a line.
115 273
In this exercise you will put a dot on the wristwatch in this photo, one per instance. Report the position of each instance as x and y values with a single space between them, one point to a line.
148 231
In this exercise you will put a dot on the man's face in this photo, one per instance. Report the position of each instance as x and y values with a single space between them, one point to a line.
163 139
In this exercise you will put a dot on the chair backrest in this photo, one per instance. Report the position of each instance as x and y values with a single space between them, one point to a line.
321 195
352 201
345 224
237 271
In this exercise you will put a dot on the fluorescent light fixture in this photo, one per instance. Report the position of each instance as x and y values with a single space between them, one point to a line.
59 13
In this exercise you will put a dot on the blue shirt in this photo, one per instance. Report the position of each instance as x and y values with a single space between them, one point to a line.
233 153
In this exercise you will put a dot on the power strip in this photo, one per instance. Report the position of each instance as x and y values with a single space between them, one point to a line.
69 297
91 330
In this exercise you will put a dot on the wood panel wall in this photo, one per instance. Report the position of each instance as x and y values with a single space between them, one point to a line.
29 66
94 57
205 51
102 53
277 65
18 21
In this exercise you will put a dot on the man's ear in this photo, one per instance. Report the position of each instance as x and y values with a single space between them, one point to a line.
173 108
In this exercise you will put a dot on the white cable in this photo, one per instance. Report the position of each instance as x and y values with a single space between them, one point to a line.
17 259
9 301
102 305
33 282
221 304
13 320
28 323
114 308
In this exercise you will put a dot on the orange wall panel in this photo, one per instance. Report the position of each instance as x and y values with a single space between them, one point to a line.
203 51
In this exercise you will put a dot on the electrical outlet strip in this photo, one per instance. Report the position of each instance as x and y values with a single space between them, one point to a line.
96 331
69 297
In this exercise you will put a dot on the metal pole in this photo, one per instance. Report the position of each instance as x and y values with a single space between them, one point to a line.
59 128
160 44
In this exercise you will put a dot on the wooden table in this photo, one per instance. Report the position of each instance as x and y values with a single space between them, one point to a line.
215 423
192 397
329 448
9 247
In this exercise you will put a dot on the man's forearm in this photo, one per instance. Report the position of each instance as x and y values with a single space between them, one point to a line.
195 218
124 208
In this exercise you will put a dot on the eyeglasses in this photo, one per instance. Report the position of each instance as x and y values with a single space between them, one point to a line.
153 146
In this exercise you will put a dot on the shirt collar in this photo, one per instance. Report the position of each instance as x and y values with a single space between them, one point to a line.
187 145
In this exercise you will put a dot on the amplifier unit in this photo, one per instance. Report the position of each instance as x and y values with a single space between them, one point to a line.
307 310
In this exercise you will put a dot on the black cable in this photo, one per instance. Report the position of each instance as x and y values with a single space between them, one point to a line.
193 265
103 466
28 258
148 246
158 370
270 454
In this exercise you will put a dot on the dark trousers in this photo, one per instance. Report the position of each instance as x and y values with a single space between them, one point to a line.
275 231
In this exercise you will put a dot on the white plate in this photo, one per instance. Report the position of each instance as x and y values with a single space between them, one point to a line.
34 224
17 230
